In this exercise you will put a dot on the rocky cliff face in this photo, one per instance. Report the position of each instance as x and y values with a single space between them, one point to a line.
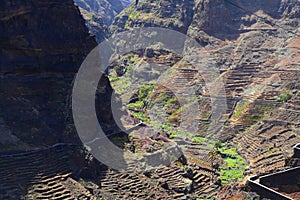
100 13
227 19
106 10
42 46
173 14
224 19
290 8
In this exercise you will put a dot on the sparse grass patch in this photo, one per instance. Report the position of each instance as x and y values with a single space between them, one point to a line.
141 116
137 105
240 108
120 84
174 118
145 91
171 70
198 139
230 151
162 98
113 78
134 15
285 96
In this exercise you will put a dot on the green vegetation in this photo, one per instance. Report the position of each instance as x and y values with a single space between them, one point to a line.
122 81
146 98
250 115
171 106
261 110
129 57
143 94
137 105
198 139
234 165
89 15
240 108
250 197
218 145
162 98
145 91
128 10
230 151
253 118
174 118
171 70
233 169
173 132
120 84
113 78
227 123
172 101
141 116
285 96
134 15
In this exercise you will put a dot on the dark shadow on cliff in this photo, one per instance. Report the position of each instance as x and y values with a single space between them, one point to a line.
42 45
110 123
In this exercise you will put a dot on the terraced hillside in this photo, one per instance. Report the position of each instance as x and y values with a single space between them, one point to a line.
167 182
44 174
255 47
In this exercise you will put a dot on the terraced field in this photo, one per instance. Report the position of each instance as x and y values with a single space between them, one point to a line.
45 174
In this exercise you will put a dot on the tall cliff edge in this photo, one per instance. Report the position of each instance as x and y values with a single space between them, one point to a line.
42 45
